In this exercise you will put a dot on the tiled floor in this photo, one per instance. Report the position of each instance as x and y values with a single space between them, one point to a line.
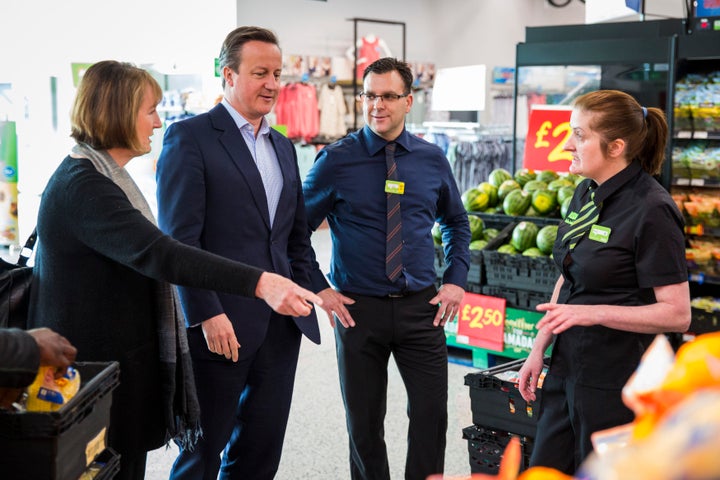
316 441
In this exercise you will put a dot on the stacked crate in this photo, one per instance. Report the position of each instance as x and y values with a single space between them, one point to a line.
524 282
498 413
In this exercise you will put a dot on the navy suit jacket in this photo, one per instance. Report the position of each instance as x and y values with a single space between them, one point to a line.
210 195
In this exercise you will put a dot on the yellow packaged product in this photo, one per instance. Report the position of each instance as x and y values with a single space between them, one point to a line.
48 394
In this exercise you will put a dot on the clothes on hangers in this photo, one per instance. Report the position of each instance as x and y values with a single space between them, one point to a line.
331 103
474 160
297 108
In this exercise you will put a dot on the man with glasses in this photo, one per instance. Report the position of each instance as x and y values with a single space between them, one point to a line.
382 189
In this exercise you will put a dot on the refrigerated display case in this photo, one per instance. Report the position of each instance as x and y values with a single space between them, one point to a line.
695 157
667 64
557 64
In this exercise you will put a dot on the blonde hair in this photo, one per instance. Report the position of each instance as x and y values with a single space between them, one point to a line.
108 99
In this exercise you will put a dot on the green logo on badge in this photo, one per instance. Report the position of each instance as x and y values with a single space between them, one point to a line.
393 186
599 233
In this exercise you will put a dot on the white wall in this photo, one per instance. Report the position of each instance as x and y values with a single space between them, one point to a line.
40 38
449 33
311 27
445 32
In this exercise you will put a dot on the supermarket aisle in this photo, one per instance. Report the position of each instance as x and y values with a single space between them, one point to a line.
316 440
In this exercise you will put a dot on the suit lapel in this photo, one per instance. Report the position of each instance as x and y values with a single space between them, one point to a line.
285 156
232 140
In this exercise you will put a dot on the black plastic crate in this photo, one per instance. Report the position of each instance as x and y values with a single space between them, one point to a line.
528 300
105 466
472 287
475 273
537 274
439 261
60 445
497 403
486 447
509 294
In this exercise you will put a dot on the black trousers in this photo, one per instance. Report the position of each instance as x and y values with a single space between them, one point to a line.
401 327
244 406
569 414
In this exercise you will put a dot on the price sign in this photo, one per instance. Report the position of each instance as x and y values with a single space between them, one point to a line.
548 130
481 320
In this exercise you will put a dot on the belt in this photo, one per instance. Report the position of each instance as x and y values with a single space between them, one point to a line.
402 294
407 293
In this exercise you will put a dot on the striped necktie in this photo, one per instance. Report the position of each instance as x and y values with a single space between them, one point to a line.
587 217
393 241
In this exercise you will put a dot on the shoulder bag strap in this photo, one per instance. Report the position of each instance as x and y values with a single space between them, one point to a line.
27 249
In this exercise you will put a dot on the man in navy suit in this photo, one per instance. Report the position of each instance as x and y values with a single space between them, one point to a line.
230 184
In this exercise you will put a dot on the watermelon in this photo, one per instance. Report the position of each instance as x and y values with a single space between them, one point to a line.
569 176
564 206
530 212
556 185
544 202
436 234
565 192
498 176
507 248
533 252
492 192
524 175
546 238
533 185
506 187
474 200
547 176
478 244
516 202
476 227
490 233
523 236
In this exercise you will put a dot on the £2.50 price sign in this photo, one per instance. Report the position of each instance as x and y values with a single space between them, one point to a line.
481 321
548 130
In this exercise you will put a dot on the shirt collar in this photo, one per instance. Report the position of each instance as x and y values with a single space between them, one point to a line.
615 182
375 143
240 120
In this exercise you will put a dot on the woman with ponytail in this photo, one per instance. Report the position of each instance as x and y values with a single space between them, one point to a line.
623 278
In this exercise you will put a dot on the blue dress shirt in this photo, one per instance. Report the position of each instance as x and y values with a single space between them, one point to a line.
346 185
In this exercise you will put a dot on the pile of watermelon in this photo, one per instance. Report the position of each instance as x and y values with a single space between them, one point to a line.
479 234
527 193
530 240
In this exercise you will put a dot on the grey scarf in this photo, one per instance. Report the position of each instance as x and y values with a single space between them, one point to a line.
182 411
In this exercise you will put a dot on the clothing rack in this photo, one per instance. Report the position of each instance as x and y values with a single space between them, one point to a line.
473 150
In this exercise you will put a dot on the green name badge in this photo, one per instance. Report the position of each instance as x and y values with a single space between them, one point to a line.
599 233
393 186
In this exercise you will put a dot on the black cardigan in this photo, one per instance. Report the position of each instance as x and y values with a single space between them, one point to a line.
97 264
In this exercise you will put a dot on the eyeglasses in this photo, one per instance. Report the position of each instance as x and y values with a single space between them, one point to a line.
385 97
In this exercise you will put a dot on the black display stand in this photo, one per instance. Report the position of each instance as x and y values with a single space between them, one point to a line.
356 21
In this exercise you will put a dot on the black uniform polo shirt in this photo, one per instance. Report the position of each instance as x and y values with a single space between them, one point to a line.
645 248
